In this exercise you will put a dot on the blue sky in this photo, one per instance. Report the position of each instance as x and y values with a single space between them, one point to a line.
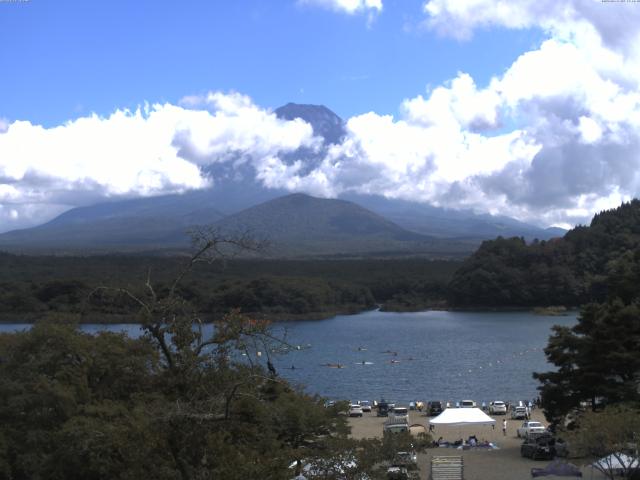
75 57
529 109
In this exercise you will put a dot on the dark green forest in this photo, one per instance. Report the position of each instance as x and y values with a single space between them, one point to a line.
105 406
597 361
172 404
589 264
33 287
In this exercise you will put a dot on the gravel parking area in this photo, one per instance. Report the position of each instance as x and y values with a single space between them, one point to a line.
502 464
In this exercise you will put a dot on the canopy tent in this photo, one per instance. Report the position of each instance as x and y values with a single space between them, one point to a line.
617 461
462 416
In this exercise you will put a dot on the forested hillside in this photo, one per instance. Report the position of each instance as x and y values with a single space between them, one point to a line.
174 403
587 264
34 287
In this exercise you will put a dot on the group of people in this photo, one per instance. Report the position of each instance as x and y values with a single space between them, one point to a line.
472 441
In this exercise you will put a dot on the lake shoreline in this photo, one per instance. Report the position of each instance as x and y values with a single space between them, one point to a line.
402 356
114 319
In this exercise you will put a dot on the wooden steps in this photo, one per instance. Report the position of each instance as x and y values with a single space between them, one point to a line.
447 468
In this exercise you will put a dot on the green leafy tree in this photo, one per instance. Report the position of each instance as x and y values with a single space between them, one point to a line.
598 360
589 264
612 434
175 403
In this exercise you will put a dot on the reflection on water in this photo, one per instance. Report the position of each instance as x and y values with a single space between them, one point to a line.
408 356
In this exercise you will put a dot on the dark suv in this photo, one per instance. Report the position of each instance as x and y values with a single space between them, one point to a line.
383 409
434 408
539 447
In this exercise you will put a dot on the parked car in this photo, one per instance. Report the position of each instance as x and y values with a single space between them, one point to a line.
355 410
518 413
434 407
403 467
530 427
406 459
526 404
467 404
395 425
365 404
395 472
497 407
539 447
400 412
383 409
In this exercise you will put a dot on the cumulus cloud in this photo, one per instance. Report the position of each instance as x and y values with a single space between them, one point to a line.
153 150
616 23
573 104
553 139
412 158
348 6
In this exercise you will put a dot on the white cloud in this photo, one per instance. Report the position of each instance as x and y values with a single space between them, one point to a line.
552 139
574 102
616 23
154 150
459 103
589 130
348 6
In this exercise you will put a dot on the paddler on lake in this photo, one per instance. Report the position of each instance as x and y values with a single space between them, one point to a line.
332 365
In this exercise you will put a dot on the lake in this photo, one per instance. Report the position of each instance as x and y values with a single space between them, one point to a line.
408 356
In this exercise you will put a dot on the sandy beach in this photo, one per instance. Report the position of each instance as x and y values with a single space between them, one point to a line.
502 464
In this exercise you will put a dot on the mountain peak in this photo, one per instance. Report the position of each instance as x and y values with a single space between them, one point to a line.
300 224
324 122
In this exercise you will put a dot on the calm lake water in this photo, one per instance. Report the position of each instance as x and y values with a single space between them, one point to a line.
438 355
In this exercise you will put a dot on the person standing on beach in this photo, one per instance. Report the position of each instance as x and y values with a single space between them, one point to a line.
504 427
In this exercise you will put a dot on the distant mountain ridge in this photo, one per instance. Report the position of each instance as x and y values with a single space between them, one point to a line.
160 222
299 224
450 223
295 225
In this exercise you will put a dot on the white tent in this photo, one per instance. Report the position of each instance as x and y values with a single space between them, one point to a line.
617 461
462 416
